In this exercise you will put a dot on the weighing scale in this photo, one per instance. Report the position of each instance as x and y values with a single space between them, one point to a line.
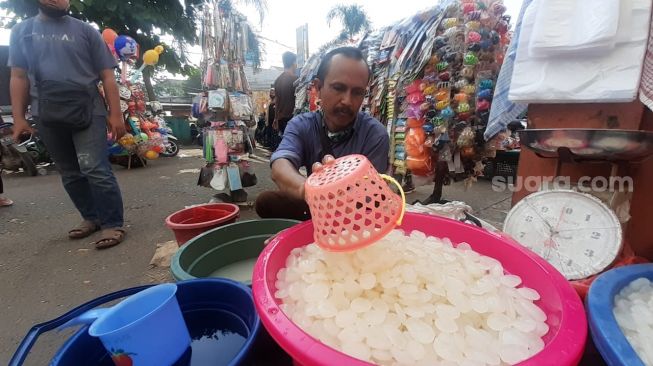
576 232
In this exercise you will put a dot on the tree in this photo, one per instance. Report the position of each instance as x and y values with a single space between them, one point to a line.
353 18
145 21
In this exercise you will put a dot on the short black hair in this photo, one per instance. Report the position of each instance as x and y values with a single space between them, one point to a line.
349 52
289 59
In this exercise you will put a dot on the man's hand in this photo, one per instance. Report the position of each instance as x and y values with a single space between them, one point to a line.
327 160
21 127
116 126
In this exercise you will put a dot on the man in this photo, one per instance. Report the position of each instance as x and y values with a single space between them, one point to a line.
338 129
56 49
284 89
270 137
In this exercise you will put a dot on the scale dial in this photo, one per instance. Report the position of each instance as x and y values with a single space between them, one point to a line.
575 232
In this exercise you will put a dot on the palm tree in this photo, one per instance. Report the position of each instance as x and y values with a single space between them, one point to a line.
353 18
261 6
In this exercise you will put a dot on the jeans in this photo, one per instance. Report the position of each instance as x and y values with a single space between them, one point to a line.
278 205
83 162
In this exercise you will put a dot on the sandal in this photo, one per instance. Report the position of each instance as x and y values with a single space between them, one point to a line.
83 230
5 202
110 237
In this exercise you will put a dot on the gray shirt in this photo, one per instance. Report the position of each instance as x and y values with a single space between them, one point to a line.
302 147
64 49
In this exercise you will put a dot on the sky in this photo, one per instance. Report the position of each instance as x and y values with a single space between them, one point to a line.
285 16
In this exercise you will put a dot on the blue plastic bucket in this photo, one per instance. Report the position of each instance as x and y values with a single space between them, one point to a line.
219 314
608 337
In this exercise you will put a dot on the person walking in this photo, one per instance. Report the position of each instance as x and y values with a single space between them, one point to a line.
4 201
284 89
57 61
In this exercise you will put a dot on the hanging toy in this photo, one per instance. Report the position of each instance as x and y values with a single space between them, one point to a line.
485 94
485 84
444 76
463 108
125 47
469 89
473 25
442 105
470 59
150 58
442 95
468 8
467 72
475 15
461 98
482 105
450 22
473 37
447 113
442 66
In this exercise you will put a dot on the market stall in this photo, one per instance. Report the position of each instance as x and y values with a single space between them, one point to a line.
226 107
432 87
147 133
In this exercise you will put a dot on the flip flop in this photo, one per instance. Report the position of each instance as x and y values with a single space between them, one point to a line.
83 230
110 237
5 202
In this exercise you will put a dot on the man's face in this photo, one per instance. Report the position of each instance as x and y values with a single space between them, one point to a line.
342 92
272 95
57 4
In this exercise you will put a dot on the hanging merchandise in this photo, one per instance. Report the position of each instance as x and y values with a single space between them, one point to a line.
217 99
240 106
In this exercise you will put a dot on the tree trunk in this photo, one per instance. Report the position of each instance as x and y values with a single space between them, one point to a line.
147 79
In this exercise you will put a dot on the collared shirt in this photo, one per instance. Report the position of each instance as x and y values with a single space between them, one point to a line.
302 147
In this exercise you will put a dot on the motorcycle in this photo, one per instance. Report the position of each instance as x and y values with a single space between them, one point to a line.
15 156
171 142
172 146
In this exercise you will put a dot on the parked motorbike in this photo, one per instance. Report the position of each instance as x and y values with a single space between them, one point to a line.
15 156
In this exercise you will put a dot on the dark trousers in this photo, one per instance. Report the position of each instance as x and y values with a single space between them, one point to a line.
83 162
278 205
2 188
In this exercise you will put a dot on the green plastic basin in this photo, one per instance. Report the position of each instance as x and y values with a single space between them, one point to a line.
228 251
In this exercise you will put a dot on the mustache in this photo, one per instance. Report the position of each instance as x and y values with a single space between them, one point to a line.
344 110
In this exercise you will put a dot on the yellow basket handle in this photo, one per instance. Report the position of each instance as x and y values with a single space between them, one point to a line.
403 196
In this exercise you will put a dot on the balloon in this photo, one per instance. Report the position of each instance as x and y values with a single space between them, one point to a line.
159 49
126 47
151 155
150 58
144 137
109 36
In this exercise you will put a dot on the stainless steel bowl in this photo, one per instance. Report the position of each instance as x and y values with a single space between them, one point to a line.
589 144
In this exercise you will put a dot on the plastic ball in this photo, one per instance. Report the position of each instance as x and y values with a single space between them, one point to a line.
485 44
442 95
485 94
473 37
475 15
447 113
482 105
468 8
442 105
126 47
144 137
467 72
473 25
469 89
474 47
439 42
470 59
158 149
464 116
151 155
159 49
486 84
442 66
461 98
463 107
450 22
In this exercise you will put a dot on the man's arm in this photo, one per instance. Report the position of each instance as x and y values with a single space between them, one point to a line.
115 122
19 90
287 178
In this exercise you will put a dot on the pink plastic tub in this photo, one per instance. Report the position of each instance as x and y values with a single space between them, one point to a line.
564 344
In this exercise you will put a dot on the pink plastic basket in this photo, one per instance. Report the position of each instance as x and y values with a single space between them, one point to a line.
351 204
564 344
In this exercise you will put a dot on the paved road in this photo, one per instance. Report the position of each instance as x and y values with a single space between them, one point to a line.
43 274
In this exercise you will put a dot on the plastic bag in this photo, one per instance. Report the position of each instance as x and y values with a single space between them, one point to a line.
241 106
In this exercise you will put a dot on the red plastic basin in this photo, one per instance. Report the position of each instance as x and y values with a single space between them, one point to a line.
193 221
